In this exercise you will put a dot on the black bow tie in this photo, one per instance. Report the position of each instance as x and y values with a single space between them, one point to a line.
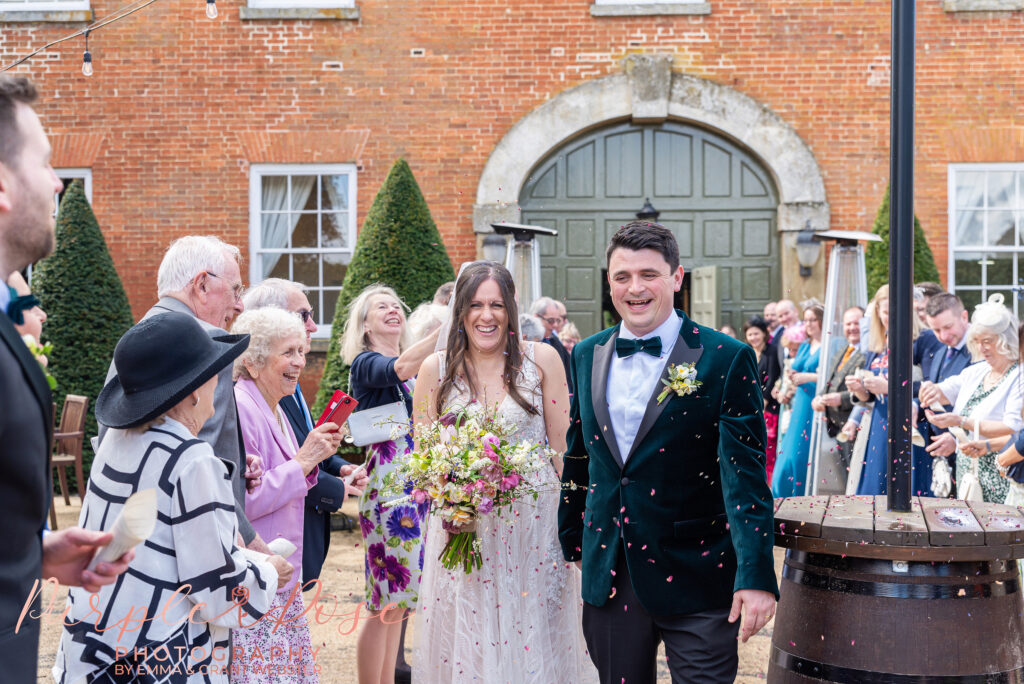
18 305
651 345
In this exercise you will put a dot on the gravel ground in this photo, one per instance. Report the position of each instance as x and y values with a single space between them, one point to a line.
343 583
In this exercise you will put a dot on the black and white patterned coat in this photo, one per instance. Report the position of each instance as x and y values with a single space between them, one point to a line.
119 632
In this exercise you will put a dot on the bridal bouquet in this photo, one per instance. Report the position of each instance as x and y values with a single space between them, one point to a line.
467 466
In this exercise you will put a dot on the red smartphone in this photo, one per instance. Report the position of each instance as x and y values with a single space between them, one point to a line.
339 408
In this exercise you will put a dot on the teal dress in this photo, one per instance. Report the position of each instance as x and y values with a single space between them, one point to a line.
790 475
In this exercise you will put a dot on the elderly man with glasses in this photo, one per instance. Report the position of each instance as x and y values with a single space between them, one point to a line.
200 276
552 315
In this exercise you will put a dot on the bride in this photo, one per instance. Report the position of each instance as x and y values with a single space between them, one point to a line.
518 618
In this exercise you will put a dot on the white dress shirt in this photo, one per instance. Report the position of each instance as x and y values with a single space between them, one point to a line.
633 379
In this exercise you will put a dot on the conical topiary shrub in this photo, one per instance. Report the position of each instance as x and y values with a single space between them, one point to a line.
86 306
877 256
398 246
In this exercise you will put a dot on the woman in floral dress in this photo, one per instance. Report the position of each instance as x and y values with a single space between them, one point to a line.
987 397
382 368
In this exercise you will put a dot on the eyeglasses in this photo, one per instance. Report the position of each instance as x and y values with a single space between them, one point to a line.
554 320
237 290
306 315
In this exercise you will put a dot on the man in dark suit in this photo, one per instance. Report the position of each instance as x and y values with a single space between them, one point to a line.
948 320
28 186
550 314
787 316
665 498
836 401
328 494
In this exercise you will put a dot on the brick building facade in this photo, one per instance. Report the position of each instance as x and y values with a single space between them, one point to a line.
191 125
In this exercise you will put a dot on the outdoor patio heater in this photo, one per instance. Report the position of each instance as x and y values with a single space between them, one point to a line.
846 286
522 258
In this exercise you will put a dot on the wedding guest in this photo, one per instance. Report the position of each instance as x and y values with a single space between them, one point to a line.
29 186
155 408
328 494
444 293
531 328
265 374
874 390
26 308
784 390
550 313
923 294
987 397
425 319
757 336
728 330
836 400
771 318
375 344
569 335
790 476
788 316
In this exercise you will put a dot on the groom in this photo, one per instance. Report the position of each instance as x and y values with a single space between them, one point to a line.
665 502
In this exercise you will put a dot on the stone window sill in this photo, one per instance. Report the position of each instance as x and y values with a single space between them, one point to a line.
628 9
982 5
327 13
49 16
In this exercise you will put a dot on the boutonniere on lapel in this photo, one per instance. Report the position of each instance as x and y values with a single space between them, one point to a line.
682 379
39 351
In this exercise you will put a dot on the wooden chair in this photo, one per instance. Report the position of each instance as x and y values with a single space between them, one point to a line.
68 444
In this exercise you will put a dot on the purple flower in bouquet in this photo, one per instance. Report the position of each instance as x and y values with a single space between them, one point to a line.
485 506
365 525
397 574
376 560
404 523
449 419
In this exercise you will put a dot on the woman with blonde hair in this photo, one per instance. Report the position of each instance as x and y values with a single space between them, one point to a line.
375 344
987 396
873 389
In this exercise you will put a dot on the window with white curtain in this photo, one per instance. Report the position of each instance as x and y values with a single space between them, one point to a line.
986 219
302 227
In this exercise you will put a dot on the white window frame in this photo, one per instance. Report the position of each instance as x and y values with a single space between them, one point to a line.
75 173
649 2
256 174
1016 250
299 4
44 6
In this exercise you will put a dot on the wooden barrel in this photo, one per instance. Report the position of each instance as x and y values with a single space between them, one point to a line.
938 605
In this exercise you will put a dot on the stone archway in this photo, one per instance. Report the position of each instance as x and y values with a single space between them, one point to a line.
648 91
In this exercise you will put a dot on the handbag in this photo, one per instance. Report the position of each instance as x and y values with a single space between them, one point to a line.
380 423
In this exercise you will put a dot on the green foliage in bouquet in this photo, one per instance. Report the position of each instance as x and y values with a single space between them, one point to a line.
86 306
399 246
877 257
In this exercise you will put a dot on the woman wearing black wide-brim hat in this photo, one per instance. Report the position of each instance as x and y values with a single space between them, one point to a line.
156 405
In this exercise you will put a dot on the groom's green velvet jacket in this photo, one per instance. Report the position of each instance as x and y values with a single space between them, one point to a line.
691 503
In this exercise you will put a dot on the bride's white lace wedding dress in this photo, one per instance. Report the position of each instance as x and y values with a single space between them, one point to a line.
518 618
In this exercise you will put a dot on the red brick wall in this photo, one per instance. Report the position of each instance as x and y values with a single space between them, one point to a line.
179 105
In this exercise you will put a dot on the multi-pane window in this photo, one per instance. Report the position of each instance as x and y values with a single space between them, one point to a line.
986 219
303 227
286 4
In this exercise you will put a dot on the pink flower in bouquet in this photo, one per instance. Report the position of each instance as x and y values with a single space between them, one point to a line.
491 472
509 481
490 443
420 496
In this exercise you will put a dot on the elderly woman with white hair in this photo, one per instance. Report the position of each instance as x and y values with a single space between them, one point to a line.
265 374
987 396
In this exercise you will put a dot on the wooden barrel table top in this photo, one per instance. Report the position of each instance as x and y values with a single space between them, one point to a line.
869 595
933 530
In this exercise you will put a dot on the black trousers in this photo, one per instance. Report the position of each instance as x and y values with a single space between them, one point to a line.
623 639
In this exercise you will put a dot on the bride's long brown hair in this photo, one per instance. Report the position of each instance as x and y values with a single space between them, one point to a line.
458 341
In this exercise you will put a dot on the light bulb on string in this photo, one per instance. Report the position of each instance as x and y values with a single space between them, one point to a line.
87 58
211 9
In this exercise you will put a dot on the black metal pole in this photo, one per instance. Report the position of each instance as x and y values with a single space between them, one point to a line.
901 255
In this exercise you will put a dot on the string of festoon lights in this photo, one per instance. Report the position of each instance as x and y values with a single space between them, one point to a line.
127 10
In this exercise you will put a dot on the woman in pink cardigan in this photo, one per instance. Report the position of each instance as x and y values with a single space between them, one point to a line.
266 373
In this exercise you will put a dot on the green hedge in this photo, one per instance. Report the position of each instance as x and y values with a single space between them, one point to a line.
399 246
86 306
877 257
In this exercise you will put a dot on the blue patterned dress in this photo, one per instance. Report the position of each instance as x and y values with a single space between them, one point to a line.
392 536
790 475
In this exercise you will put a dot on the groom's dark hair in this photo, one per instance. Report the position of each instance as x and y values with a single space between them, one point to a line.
637 235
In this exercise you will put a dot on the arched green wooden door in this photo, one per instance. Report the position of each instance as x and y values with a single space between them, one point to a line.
717 200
